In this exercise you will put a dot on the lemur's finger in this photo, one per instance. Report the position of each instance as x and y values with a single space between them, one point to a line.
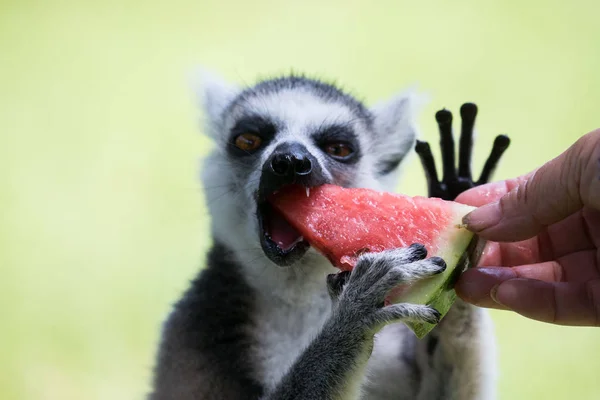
403 255
468 113
404 311
428 163
501 143
444 120
406 273
336 282
376 273
374 266
377 264
417 270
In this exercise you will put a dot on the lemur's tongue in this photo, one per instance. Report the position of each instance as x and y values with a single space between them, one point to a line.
281 232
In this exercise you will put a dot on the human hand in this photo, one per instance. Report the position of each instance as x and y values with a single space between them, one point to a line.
544 261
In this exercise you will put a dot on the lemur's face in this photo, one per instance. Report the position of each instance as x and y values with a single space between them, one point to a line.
293 131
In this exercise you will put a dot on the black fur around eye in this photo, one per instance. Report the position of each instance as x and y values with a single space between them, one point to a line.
338 142
250 134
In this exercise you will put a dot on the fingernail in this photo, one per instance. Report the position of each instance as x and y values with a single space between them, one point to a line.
475 284
493 294
483 217
507 290
497 273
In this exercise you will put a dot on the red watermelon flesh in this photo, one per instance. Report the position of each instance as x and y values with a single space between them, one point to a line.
342 223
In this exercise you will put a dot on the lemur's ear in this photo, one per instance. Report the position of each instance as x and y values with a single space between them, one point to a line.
395 130
214 94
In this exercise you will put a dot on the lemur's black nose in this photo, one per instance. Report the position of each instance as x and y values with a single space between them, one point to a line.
290 163
283 164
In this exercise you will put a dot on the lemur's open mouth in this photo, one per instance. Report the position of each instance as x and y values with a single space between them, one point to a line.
283 244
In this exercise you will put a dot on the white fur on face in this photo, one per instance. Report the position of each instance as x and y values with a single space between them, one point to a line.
301 113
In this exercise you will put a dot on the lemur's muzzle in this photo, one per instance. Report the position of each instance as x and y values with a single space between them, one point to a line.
290 164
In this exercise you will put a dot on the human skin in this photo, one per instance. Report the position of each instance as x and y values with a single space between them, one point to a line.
543 260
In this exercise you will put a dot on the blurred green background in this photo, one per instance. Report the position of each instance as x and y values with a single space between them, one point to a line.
103 220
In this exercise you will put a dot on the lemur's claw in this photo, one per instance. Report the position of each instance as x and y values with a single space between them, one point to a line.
454 181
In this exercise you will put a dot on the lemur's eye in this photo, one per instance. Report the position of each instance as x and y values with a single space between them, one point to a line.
338 150
248 142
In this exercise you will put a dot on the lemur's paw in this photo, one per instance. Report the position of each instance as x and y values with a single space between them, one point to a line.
405 312
361 293
456 180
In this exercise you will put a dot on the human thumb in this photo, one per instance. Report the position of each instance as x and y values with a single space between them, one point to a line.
549 194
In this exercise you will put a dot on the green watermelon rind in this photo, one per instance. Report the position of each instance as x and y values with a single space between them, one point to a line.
460 249
438 292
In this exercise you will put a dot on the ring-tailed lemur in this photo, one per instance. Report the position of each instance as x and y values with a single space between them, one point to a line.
269 318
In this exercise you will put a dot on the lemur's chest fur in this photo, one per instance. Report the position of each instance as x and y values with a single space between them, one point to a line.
282 334
288 316
291 307
282 330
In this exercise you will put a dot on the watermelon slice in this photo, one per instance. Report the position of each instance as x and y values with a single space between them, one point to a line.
343 223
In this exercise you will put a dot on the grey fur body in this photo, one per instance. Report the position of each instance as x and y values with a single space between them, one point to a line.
258 325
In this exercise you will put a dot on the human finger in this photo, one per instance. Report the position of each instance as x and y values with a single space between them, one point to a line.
562 303
475 285
553 192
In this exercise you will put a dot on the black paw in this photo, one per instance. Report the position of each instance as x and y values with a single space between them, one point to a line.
455 181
